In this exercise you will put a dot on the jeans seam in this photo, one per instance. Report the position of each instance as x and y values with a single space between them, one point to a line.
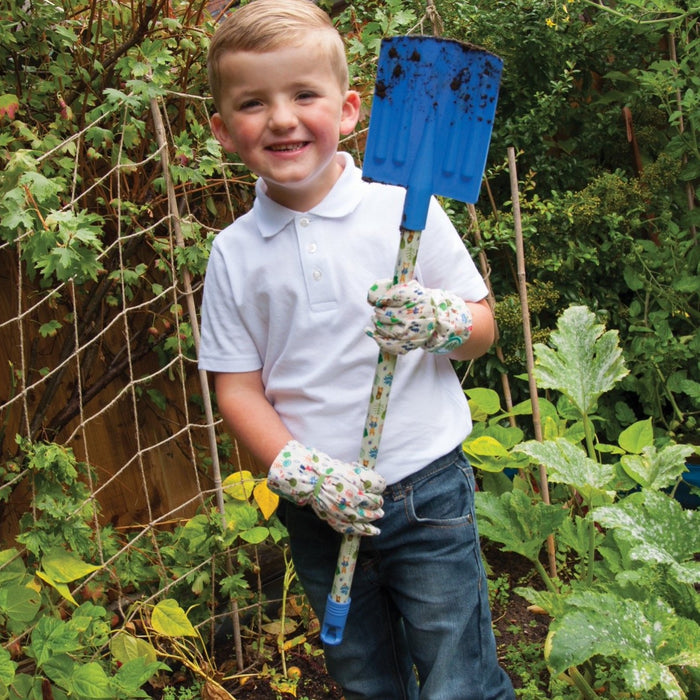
395 671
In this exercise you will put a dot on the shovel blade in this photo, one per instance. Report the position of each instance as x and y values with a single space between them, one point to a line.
431 120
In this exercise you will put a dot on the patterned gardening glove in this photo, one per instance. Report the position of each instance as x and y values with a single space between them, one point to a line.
408 316
347 496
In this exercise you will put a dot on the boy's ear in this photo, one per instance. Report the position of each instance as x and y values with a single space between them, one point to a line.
221 133
351 112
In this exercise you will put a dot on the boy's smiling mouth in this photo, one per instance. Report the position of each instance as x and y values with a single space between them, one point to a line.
287 147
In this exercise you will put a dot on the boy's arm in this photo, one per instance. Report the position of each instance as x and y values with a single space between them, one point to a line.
346 495
250 416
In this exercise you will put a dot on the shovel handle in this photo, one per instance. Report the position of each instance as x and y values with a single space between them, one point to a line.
338 603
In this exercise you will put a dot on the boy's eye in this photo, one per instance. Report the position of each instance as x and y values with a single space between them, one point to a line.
306 95
249 104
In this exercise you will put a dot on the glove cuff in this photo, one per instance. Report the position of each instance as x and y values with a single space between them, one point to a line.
289 475
453 323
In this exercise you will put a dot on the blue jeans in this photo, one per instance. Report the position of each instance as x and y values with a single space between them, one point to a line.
419 624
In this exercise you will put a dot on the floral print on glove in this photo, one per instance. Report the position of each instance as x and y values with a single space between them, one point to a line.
346 495
408 316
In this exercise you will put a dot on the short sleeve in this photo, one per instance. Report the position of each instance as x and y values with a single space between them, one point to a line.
226 344
444 261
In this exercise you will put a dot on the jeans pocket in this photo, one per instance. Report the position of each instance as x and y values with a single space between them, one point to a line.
445 498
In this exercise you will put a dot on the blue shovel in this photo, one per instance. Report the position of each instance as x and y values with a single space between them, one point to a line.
430 128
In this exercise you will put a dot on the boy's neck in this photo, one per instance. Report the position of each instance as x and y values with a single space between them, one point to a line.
304 200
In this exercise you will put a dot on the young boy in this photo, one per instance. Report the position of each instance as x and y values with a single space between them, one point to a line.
292 341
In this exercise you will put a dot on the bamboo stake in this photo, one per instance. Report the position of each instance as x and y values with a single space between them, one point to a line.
162 141
527 331
486 274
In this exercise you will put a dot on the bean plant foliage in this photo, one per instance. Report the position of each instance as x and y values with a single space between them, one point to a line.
83 198
112 190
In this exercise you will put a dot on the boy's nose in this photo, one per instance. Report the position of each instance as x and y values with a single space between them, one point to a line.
282 116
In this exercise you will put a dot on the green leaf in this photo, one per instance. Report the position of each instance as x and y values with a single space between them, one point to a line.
125 647
688 284
12 569
64 567
645 638
19 604
524 408
44 189
567 463
586 363
554 604
240 516
52 636
655 469
90 680
197 530
633 279
575 533
484 401
29 687
50 328
169 619
61 588
517 523
7 668
658 530
75 246
59 668
255 535
637 436
134 673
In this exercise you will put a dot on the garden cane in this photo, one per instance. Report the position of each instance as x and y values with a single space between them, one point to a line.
430 127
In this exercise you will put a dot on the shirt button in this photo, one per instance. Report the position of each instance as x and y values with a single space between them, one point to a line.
317 274
312 248
304 221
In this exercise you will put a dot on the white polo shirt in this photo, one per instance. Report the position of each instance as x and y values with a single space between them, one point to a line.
286 291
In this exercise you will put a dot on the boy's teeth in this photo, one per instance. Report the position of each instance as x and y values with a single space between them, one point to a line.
288 147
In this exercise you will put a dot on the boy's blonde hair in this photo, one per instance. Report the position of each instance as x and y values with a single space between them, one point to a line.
268 25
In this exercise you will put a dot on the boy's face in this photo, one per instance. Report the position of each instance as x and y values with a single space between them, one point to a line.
282 111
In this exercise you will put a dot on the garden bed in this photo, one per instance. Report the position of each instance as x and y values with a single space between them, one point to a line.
520 636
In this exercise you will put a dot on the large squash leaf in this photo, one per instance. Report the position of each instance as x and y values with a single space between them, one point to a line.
658 530
657 469
647 639
587 362
513 520
567 463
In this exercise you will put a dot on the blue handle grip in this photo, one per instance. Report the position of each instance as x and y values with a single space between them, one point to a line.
334 621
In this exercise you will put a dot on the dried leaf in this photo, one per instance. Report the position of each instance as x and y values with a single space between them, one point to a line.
213 691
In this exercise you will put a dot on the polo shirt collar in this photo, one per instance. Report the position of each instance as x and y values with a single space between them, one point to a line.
343 198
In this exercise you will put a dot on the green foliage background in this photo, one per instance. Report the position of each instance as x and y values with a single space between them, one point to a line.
608 221
106 223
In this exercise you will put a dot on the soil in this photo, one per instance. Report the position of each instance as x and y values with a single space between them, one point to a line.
513 624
